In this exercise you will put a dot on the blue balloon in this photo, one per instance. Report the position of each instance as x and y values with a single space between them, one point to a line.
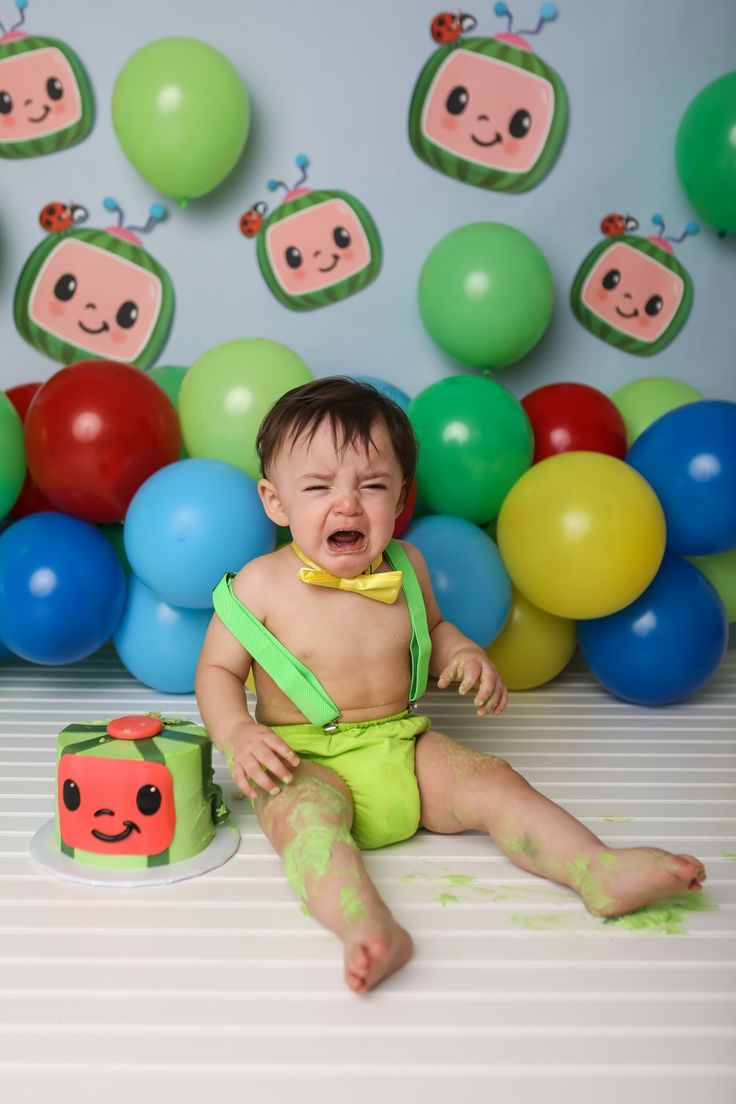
62 588
689 457
160 643
665 645
189 523
468 577
5 653
388 389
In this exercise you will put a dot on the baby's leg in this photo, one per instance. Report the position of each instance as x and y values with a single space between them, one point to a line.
308 823
461 789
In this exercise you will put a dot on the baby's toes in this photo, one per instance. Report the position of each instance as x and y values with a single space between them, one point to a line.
688 870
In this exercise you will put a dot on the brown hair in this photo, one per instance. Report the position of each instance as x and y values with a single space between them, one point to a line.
352 409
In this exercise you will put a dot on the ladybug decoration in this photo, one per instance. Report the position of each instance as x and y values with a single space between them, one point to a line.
252 220
614 225
60 216
448 27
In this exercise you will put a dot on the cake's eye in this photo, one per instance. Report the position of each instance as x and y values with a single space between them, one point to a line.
148 800
54 88
612 279
6 103
65 287
653 305
71 795
341 236
127 314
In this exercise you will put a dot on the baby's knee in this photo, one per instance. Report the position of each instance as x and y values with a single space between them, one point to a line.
306 801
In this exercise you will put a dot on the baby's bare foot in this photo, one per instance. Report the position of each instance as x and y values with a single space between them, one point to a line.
614 882
374 949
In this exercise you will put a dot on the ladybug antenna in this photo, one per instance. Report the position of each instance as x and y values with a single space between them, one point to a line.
111 204
631 223
547 13
79 213
502 11
156 213
21 5
690 230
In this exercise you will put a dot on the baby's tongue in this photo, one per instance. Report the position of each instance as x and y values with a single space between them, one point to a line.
345 538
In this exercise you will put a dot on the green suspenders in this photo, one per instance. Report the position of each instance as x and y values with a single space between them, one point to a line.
296 680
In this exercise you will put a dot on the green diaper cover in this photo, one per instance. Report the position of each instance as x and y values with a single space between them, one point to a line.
375 759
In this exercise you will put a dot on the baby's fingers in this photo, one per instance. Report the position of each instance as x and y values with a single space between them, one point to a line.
240 778
282 749
271 762
471 674
450 674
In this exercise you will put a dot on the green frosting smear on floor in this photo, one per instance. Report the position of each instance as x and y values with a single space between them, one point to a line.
448 899
540 921
729 855
665 917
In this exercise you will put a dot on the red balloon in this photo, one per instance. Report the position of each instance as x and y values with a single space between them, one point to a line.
94 432
402 522
573 417
31 499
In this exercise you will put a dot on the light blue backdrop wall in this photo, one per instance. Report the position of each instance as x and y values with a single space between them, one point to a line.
333 78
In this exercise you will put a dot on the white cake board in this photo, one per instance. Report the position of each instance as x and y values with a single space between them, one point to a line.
44 851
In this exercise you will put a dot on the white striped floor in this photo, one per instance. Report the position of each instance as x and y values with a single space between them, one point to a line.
220 983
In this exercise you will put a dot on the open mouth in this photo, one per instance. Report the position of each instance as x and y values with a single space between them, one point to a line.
39 118
130 827
486 145
99 330
634 313
330 267
347 540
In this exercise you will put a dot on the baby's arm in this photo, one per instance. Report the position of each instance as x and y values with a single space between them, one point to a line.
456 658
249 749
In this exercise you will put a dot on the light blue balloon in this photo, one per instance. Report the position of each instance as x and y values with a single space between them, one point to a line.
190 523
468 577
160 643
388 389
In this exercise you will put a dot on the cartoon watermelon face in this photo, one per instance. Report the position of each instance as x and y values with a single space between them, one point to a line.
632 293
488 113
86 292
318 248
46 100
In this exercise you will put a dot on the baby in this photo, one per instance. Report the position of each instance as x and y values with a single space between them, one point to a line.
346 612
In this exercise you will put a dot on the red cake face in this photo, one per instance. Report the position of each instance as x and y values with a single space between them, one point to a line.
115 806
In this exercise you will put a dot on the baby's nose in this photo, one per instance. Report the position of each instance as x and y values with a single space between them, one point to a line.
349 503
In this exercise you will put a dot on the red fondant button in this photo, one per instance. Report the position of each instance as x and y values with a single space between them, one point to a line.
134 728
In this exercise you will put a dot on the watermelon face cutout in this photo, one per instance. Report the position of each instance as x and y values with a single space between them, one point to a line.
632 292
95 293
489 112
46 101
115 806
317 247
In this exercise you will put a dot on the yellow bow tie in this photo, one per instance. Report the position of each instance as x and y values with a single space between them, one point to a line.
383 587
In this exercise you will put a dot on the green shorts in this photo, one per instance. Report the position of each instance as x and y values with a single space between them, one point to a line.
375 759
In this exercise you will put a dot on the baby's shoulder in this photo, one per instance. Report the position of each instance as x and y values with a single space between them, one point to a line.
257 582
415 557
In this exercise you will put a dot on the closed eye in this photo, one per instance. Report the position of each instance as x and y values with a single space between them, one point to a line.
316 488
375 487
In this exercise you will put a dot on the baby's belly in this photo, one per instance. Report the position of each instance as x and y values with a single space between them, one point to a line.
362 689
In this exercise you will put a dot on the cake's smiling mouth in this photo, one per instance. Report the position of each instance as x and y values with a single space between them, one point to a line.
634 313
130 827
39 118
329 267
347 540
89 330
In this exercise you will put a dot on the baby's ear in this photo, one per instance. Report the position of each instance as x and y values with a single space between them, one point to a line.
271 502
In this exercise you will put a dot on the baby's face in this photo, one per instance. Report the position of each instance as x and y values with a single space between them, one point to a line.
340 505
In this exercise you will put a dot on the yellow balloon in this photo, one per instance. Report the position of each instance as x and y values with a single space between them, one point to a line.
533 645
581 534
250 682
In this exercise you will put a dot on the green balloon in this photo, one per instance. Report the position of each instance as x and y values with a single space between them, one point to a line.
226 394
644 400
720 570
475 441
181 114
486 294
12 455
705 153
169 378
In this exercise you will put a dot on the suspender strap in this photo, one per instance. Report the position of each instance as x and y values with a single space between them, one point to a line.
421 646
289 674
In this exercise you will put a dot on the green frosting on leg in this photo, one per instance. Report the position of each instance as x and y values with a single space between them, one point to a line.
309 854
587 885
351 906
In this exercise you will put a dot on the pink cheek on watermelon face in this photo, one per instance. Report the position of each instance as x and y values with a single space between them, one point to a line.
511 147
348 255
449 123
8 122
117 337
644 321
55 307
601 295
299 274
60 109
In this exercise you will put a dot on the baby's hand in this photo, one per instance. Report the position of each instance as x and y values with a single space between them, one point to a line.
472 667
252 751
